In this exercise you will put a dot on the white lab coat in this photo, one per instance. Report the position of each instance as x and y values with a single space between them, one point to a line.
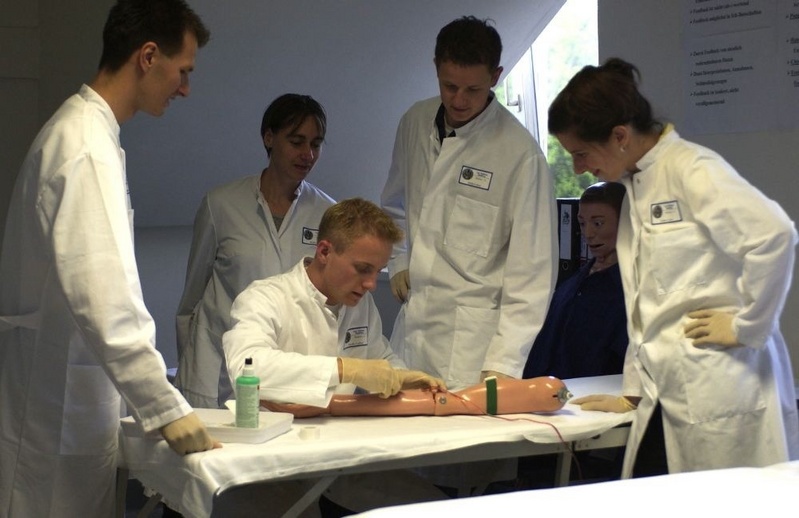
479 216
699 236
294 337
235 242
76 324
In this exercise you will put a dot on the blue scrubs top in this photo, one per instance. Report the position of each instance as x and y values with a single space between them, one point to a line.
585 331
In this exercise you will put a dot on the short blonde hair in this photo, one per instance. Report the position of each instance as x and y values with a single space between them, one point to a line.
350 219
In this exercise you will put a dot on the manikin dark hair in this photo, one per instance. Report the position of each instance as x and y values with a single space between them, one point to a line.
609 193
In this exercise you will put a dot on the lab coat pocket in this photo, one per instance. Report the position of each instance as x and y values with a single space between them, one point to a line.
91 412
474 329
708 397
471 226
678 259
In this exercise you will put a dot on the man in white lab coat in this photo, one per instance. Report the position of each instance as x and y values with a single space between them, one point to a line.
471 188
74 332
315 330
316 326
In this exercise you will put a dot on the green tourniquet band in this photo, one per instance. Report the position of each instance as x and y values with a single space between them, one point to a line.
491 395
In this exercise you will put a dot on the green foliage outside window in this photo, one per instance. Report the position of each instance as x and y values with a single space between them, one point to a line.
566 45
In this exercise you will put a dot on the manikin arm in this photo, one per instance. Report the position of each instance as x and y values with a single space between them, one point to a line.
513 396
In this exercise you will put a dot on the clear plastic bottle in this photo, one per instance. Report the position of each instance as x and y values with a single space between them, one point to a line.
247 398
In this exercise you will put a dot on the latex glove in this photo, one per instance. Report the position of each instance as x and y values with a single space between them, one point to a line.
373 375
400 284
711 327
419 380
498 375
605 403
188 435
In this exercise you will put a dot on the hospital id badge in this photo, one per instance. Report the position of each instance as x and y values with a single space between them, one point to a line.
475 177
665 212
309 236
356 337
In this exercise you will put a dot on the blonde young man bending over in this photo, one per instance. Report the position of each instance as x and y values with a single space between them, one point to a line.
316 326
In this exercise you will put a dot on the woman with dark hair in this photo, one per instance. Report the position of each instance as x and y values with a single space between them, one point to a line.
706 262
248 229
585 331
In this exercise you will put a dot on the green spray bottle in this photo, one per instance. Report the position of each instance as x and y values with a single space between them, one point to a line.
247 397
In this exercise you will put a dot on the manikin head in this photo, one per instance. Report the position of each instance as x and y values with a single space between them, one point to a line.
598 216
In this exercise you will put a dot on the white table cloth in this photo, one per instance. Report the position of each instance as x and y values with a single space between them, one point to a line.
357 444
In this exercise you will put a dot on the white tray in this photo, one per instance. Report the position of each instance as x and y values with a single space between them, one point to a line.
221 425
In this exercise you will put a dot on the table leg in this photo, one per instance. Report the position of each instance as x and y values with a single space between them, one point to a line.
563 468
121 492
149 506
310 497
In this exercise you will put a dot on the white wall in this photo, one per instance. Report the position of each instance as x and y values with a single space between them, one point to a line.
49 48
648 34
19 101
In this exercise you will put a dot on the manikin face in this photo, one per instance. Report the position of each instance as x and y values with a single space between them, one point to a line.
598 224
604 160
464 90
348 275
166 77
294 151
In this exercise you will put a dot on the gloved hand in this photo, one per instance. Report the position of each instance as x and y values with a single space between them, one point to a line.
606 403
498 375
400 284
419 380
187 434
711 327
373 375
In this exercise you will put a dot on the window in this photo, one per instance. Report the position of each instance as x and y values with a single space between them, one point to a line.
568 43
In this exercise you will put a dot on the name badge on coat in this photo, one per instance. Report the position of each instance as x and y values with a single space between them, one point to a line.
475 177
309 236
356 337
665 212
